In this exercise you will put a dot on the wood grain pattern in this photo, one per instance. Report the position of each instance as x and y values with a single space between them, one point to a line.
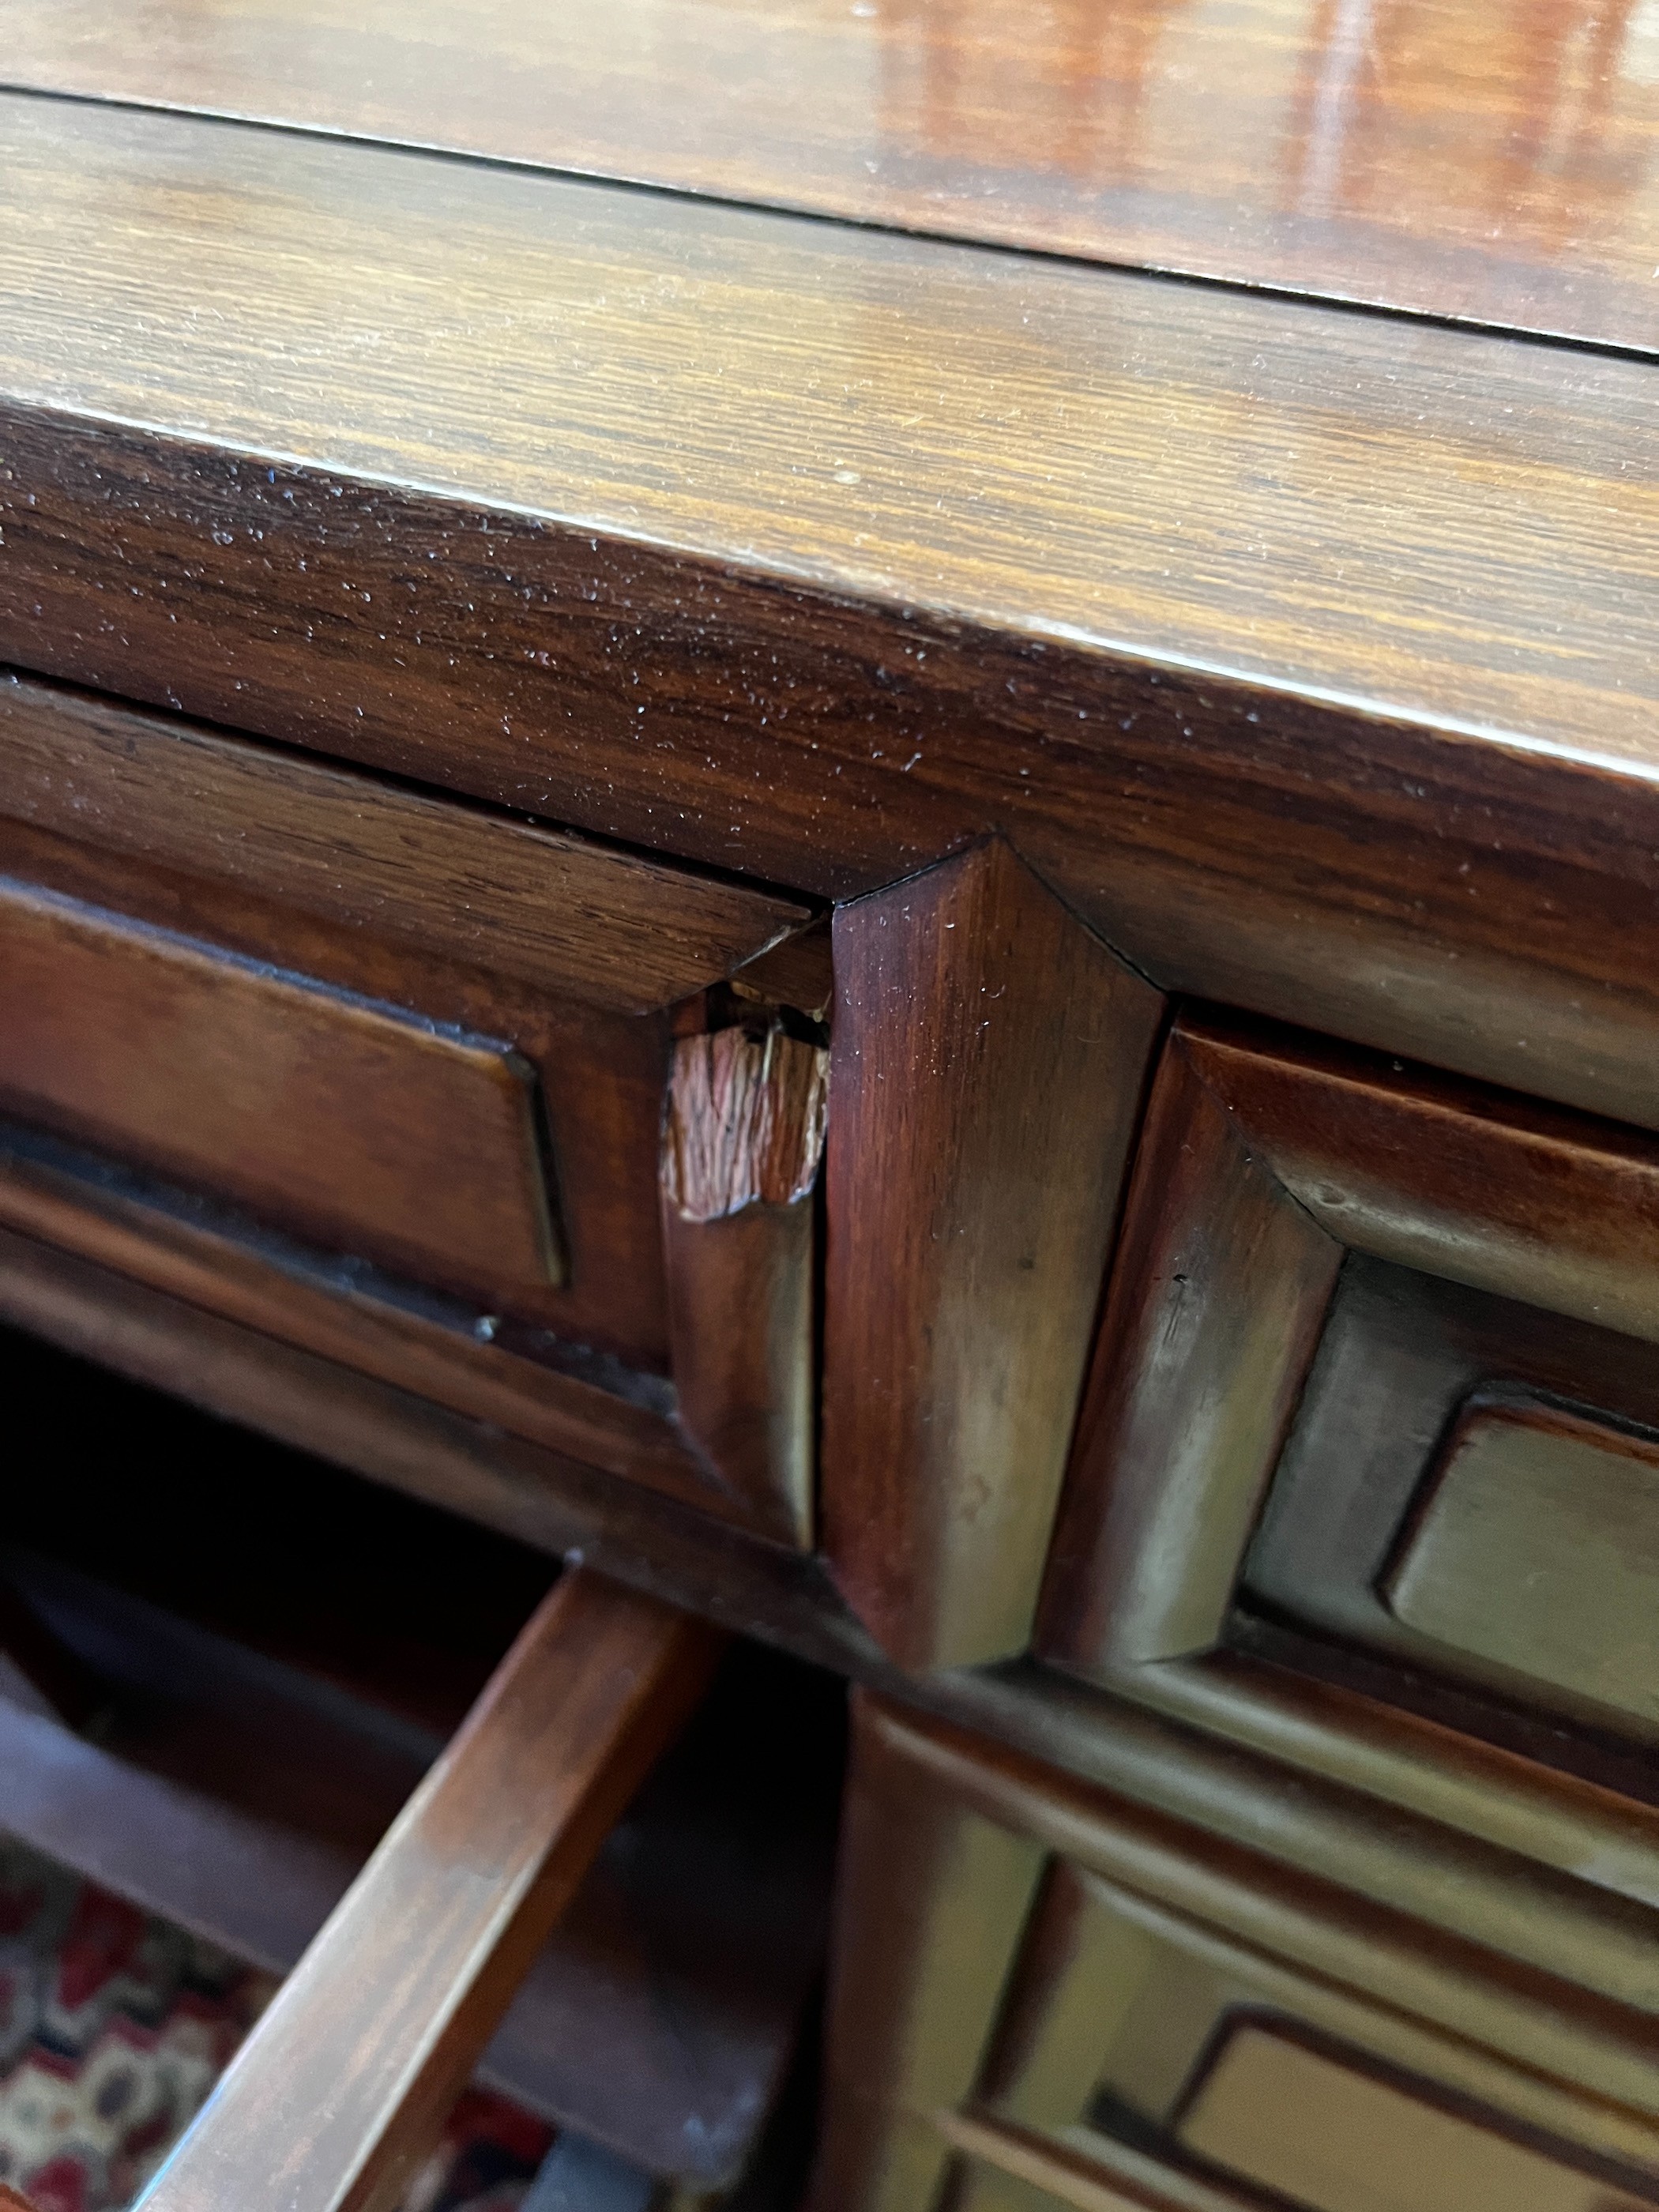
986 1068
742 1309
600 1075
555 913
617 1420
745 1121
1219 1277
331 2100
1336 1151
742 1141
1375 754
1478 1844
1423 155
1499 1192
345 1119
1517 1242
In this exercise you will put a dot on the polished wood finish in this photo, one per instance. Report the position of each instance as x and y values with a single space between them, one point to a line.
613 1418
1143 1937
1093 642
733 1434
742 1312
331 2100
660 1354
1218 1293
1422 155
1224 748
1117 2011
1493 1247
1527 1901
931 1900
987 1069
1534 1559
567 917
264 1706
600 1076
1408 1367
1292 2120
742 1141
343 1120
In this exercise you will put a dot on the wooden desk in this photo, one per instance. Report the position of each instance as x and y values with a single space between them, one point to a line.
1056 613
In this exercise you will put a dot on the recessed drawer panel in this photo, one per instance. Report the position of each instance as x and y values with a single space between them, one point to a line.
1533 1560
1369 1469
389 1076
1313 2127
1046 1993
341 1119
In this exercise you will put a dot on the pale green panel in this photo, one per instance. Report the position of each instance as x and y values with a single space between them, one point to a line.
972 1920
907 2171
1129 2014
986 2188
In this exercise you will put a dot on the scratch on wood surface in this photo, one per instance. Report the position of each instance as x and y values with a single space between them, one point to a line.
746 1121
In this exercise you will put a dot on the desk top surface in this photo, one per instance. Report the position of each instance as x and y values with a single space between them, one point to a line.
1312 654
1495 160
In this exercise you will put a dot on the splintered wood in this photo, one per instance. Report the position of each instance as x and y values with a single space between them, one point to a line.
746 1121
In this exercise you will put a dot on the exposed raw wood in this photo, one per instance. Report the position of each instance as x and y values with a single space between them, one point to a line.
570 918
333 2099
1311 657
745 1124
613 1418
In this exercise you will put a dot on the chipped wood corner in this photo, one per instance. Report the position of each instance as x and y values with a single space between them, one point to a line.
798 973
745 1121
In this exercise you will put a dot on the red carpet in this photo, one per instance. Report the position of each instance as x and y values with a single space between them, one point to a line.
114 2027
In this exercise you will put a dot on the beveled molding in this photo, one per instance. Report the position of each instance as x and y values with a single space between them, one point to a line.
988 1060
1276 1176
1325 800
629 947
732 1431
968 2019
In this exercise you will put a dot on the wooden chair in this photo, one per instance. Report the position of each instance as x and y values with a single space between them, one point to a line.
345 2084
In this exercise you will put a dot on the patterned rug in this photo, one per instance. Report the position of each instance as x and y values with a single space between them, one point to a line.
114 2027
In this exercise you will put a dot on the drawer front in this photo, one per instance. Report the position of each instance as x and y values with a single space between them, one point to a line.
339 1119
1046 1995
413 1084
1376 1400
